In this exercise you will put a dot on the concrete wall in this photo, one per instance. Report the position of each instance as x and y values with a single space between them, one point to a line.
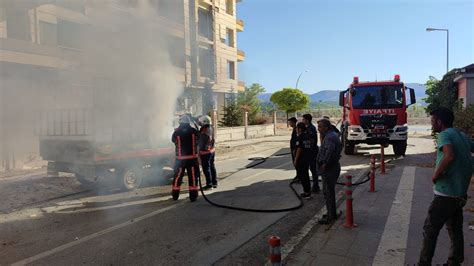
238 133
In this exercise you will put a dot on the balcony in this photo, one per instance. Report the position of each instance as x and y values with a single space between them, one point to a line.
240 85
239 25
240 55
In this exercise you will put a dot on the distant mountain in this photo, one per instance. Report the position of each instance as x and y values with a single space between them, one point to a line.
332 96
325 96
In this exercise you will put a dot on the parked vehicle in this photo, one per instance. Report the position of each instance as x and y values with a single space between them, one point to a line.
375 113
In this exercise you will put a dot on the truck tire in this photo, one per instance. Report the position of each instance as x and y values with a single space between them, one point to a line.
349 146
130 178
400 147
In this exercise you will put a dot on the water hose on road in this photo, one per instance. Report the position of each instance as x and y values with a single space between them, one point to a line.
261 160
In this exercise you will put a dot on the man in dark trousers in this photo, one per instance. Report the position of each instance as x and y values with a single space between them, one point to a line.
207 151
185 139
304 151
451 180
294 136
329 167
313 135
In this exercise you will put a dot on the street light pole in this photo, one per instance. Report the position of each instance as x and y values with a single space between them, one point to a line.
298 80
447 44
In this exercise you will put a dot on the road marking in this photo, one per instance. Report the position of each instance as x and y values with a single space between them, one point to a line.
92 236
392 246
303 232
266 171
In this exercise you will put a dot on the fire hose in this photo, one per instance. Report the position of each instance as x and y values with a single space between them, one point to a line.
261 161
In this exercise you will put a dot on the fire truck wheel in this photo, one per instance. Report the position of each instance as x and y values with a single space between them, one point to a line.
130 178
399 148
349 146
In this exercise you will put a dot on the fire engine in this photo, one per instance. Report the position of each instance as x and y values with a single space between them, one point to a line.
375 113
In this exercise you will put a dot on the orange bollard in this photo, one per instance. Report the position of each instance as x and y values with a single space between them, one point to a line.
349 215
275 251
382 159
372 173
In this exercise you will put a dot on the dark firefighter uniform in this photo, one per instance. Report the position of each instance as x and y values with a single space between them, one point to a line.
207 155
303 154
313 167
185 139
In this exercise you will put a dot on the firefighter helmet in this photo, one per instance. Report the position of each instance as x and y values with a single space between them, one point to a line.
205 120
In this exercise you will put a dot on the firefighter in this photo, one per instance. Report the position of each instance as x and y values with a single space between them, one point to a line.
304 152
313 135
185 139
207 151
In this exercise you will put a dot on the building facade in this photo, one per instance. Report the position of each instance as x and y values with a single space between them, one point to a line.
42 42
464 80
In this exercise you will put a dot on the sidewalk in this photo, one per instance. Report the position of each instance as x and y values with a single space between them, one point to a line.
390 225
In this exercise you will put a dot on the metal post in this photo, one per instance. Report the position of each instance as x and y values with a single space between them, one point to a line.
382 159
214 122
349 213
274 122
275 251
372 173
447 51
246 124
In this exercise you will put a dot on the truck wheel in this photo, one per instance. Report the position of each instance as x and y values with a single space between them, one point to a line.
349 146
130 178
400 147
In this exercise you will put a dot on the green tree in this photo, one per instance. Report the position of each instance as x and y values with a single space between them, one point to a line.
248 101
290 100
232 112
441 92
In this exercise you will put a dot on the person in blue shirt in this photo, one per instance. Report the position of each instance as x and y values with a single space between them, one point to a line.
451 180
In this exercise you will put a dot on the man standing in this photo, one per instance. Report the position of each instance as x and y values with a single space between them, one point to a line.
329 167
185 139
207 151
313 135
303 153
294 136
451 181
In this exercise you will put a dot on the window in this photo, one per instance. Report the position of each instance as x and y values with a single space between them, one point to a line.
170 9
70 34
229 7
18 25
205 23
48 33
231 69
176 50
377 97
230 38
206 62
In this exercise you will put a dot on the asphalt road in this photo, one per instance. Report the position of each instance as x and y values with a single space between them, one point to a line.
147 227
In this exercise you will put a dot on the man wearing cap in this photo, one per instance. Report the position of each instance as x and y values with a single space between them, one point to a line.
313 135
329 167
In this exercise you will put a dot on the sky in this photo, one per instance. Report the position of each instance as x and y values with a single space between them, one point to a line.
336 40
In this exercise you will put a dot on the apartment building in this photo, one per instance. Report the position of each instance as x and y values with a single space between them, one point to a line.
41 44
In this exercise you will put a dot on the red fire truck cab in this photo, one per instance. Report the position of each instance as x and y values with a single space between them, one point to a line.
375 113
